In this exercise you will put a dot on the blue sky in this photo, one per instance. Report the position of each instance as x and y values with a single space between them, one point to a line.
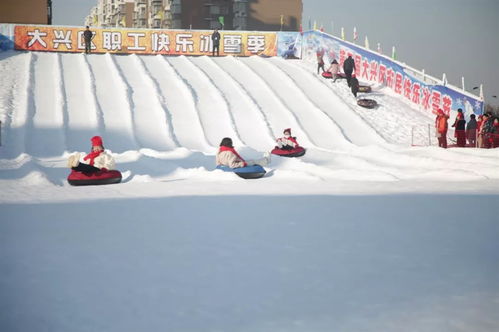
456 37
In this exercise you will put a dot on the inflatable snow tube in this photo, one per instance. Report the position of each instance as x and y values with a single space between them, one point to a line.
248 172
364 88
367 103
327 74
76 178
298 152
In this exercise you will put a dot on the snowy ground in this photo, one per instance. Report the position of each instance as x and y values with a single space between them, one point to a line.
364 233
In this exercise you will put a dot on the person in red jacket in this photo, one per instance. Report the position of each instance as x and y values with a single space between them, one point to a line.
96 160
460 131
287 142
441 127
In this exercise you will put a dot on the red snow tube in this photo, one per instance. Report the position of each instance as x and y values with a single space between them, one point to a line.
327 74
297 152
367 103
76 178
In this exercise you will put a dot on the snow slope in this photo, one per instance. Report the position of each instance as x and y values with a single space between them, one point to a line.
363 233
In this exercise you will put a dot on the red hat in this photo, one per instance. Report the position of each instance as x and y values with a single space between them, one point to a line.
96 141
440 111
287 130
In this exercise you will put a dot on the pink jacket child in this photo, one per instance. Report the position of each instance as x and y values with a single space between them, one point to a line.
228 156
96 160
287 142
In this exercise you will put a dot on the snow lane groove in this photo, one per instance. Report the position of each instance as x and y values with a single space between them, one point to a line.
160 99
216 91
15 103
82 116
178 99
278 115
242 107
46 137
316 90
112 98
150 124
318 125
212 108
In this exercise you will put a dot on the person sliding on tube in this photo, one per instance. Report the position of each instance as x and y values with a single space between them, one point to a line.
96 160
334 69
228 156
287 142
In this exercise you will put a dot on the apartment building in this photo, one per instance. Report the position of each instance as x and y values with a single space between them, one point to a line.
262 15
153 14
26 11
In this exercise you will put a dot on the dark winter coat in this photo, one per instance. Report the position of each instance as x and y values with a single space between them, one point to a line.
349 65
87 34
215 36
472 125
488 127
354 85
460 124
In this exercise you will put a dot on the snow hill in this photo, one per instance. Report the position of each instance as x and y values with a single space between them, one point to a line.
363 233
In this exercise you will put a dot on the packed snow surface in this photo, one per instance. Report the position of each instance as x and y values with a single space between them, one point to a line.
363 233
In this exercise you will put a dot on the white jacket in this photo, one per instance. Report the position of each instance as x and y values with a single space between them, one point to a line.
283 141
227 158
103 160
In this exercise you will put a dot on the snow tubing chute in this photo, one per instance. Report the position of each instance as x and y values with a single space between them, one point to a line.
248 172
76 178
367 103
364 88
297 152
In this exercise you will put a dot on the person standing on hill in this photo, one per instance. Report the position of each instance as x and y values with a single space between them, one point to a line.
441 127
471 130
320 61
88 36
460 132
354 85
349 68
215 37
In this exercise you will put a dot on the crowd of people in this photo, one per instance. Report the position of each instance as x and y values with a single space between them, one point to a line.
481 133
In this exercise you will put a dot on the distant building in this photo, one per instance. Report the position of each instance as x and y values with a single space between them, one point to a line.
153 14
26 11
262 15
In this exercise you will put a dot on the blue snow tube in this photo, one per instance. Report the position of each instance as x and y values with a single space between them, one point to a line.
248 172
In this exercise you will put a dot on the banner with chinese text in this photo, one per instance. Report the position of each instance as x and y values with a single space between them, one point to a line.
169 42
370 66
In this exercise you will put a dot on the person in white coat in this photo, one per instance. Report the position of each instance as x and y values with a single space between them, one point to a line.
97 160
287 142
228 156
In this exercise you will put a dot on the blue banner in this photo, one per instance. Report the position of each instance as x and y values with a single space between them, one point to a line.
421 90
6 37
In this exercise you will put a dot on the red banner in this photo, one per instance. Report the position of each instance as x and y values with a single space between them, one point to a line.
171 42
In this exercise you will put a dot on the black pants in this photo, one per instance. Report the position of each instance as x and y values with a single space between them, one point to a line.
88 46
85 168
320 66
216 47
348 74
